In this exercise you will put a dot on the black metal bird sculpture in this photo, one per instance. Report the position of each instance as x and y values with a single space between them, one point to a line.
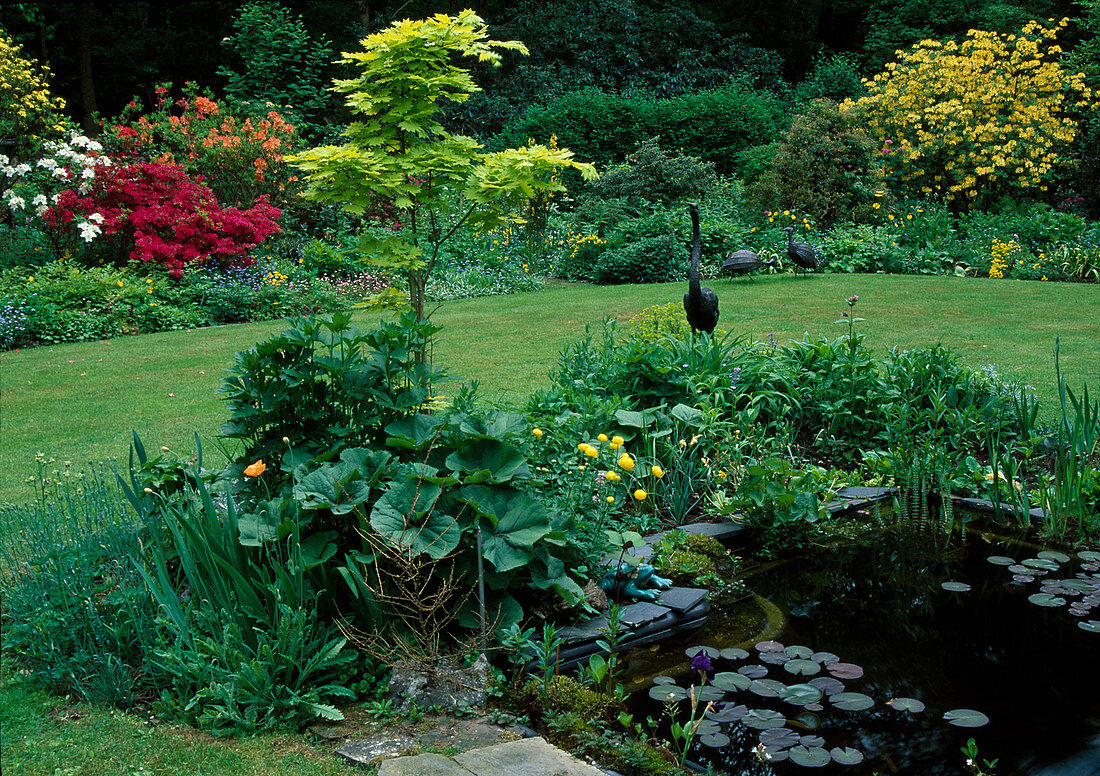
743 262
799 252
700 303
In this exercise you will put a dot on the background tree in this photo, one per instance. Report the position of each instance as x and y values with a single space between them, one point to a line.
975 120
400 156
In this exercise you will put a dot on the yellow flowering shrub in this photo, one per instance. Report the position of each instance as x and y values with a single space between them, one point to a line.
1002 256
977 119
27 110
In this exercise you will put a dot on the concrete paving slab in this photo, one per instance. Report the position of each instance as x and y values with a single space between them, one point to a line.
530 757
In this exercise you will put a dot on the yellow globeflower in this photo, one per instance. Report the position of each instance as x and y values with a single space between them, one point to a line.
611 476
591 452
610 499
640 494
626 462
618 440
537 432
602 437
583 446
658 472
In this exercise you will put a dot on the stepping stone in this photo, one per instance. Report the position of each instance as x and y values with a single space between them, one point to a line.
681 599
642 613
422 765
723 532
529 757
585 631
860 491
368 751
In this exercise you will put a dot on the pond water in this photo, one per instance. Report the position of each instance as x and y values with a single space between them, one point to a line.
881 608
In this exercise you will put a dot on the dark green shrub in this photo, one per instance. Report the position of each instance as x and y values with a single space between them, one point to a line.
649 260
827 168
835 78
653 175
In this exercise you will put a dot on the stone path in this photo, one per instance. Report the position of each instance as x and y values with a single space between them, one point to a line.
528 757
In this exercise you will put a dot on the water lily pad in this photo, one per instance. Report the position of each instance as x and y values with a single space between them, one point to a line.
801 694
798 652
1046 599
709 693
707 727
764 719
734 653
906 704
846 755
728 713
753 671
1089 555
1080 585
807 720
663 680
774 658
965 718
1054 555
852 701
845 670
730 681
693 651
767 688
1023 579
814 707
779 738
811 741
1092 626
1021 569
825 658
1041 563
774 755
828 684
955 587
769 646
667 692
715 740
816 757
1000 560
802 667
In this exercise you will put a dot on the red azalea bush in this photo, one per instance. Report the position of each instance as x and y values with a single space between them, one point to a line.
164 216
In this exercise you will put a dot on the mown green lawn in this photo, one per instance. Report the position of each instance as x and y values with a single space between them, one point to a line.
78 402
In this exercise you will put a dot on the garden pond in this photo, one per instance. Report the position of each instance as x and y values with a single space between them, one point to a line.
887 656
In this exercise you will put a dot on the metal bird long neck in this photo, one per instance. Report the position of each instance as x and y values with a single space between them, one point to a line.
696 252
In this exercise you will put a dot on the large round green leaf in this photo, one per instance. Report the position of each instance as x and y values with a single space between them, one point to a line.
852 701
764 719
730 681
966 718
807 757
407 516
801 694
801 667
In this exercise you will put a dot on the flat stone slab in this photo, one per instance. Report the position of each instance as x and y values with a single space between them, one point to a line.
422 765
723 532
529 757
681 599
860 491
368 751
589 629
641 613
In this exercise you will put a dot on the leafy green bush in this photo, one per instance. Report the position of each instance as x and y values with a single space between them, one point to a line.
827 167
652 175
649 260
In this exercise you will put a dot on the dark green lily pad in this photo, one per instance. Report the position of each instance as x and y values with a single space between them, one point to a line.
730 681
1001 560
1021 569
773 658
852 701
825 658
779 738
769 646
1092 626
1089 555
802 667
733 653
1046 599
1054 555
774 755
807 720
846 755
707 727
764 719
715 740
816 757
811 741
767 688
906 704
1041 563
667 692
728 713
798 652
801 694
845 670
965 718
663 680
753 671
1080 585
955 587
708 693
828 684
693 651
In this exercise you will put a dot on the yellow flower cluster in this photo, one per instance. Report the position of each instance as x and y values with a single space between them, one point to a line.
26 107
1003 255
275 278
975 118
576 242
